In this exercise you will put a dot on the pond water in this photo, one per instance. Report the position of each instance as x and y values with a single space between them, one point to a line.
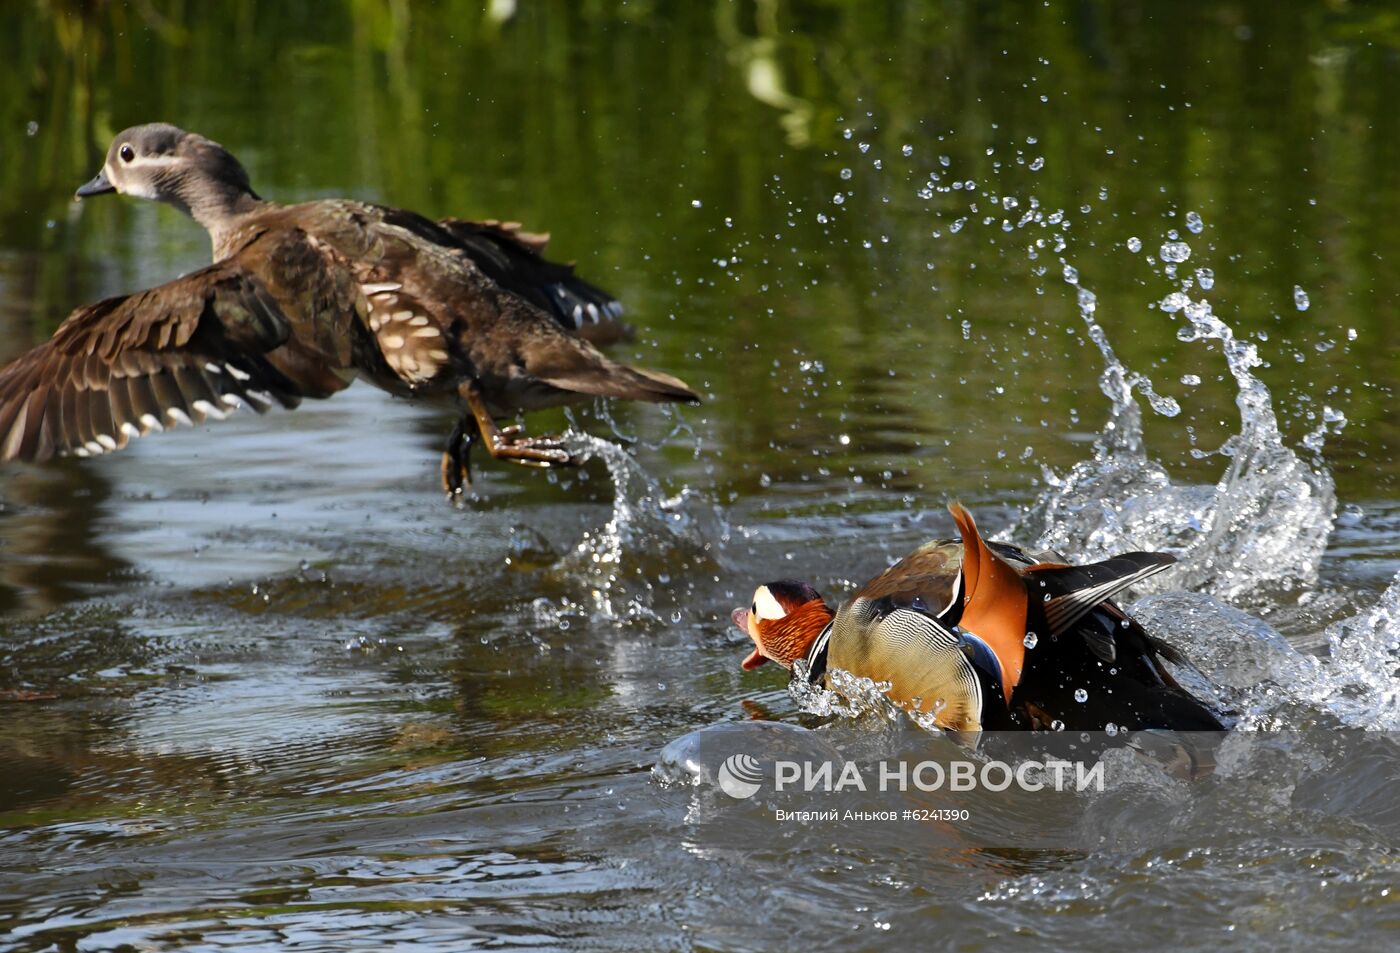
1115 275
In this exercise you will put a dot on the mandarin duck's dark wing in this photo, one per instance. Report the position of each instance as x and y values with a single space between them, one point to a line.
188 350
1069 594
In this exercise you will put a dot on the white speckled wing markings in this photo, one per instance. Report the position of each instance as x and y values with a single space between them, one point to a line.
182 353
409 337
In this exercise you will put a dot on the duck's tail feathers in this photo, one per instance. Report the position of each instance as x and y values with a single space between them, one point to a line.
611 379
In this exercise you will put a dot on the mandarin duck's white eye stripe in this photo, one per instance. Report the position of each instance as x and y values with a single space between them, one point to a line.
765 606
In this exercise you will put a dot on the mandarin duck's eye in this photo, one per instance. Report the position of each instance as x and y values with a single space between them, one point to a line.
754 607
127 153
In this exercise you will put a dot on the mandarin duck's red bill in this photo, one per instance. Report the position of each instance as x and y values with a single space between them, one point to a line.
987 636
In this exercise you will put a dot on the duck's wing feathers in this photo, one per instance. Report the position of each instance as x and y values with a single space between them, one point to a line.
191 349
514 260
1069 593
927 581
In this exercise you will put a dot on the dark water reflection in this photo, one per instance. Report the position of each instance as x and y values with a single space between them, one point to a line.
301 702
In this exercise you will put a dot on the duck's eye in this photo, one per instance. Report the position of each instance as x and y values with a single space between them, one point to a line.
127 153
754 608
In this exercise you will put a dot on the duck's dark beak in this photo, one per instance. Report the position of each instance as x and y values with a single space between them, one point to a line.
98 186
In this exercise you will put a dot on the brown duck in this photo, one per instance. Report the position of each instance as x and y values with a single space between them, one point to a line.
987 636
301 300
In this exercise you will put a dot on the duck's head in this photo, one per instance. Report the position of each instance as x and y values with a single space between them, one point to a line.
784 619
167 164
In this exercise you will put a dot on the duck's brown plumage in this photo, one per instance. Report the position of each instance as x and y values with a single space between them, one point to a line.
303 299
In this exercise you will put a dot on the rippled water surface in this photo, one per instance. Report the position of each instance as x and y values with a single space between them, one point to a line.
1114 275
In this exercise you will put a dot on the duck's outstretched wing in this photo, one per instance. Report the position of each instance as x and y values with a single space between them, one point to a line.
192 349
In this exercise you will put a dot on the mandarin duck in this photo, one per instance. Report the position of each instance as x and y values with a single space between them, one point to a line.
301 300
986 636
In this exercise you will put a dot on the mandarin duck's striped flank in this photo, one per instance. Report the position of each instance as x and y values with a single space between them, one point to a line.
305 298
987 636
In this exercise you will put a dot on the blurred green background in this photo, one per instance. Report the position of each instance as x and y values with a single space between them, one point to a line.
690 157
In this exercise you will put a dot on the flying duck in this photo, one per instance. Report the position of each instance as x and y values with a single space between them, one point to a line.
986 636
301 300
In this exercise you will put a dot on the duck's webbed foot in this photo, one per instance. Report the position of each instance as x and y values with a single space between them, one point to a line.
510 443
456 458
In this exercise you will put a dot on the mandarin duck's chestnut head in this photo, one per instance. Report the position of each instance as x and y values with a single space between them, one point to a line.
784 619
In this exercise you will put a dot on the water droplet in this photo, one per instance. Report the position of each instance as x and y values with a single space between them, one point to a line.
765 480
32 129
1080 695
1037 163
838 198
1030 640
907 149
1111 729
1135 244
1300 299
1174 251
1194 223
1190 380
695 203
1057 725
1205 278
1071 274
1174 302
846 173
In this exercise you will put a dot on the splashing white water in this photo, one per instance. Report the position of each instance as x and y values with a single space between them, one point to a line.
1262 526
649 537
849 696
1365 664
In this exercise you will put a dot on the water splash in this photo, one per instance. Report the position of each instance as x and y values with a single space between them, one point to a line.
1365 664
1249 667
1262 526
649 540
849 696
